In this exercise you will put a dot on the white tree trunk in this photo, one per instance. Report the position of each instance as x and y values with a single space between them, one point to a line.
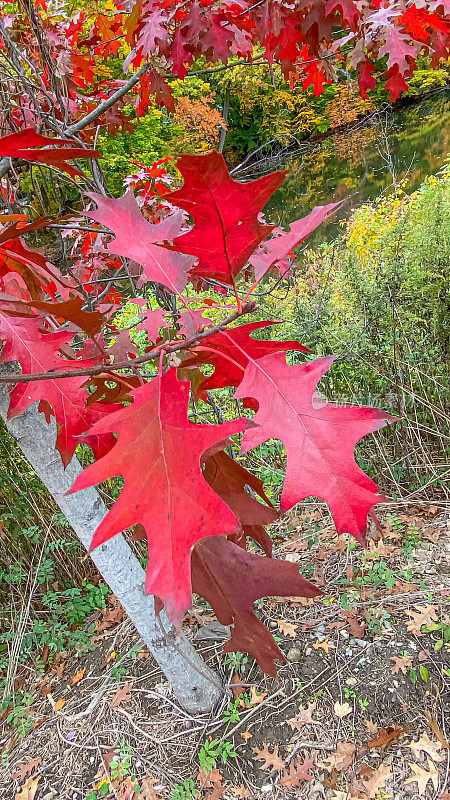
196 687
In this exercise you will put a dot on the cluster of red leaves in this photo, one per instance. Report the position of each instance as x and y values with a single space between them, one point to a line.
180 486
170 35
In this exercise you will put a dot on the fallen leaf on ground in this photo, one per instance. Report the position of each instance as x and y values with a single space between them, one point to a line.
422 776
287 628
326 645
60 704
421 615
386 736
426 745
240 792
298 771
433 723
272 760
401 664
235 685
372 726
78 676
376 780
122 694
304 717
357 629
28 790
24 770
423 656
341 758
342 709
109 617
246 736
255 698
148 790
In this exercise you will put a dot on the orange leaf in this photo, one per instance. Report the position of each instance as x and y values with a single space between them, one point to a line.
78 676
60 704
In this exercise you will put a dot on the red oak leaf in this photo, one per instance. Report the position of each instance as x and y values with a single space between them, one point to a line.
397 49
139 240
277 248
23 144
228 478
226 228
39 352
230 354
395 83
89 321
347 9
365 79
231 579
319 438
158 453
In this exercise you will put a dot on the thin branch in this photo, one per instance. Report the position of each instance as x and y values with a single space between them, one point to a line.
166 347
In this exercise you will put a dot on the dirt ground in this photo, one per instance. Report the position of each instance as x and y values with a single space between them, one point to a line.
360 708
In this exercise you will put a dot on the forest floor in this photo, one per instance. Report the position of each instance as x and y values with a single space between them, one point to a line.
357 711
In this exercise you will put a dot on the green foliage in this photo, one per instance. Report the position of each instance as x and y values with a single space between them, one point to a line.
264 106
379 297
214 750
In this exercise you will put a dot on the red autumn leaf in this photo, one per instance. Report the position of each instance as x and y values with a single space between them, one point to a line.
365 79
24 143
158 453
395 83
141 241
277 248
229 479
34 269
226 228
319 438
89 321
230 354
38 352
231 579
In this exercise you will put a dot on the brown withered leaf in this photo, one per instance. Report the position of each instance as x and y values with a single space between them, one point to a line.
401 664
421 615
246 736
240 792
78 676
426 745
297 773
148 790
325 645
109 617
29 789
287 628
433 723
421 776
304 717
272 760
357 629
122 695
255 699
341 758
24 770
376 780
386 736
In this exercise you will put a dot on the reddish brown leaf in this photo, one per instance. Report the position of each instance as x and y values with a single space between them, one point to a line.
231 579
386 736
122 695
